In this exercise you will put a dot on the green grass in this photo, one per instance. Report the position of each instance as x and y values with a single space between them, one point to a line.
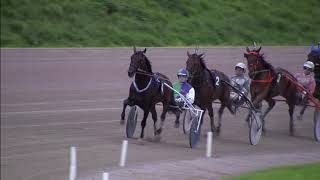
298 172
114 23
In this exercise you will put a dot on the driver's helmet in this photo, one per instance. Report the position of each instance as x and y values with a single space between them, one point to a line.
241 65
182 72
308 64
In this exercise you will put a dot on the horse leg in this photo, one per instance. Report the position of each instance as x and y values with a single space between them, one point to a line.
258 106
211 115
125 103
257 102
292 120
177 122
144 122
302 112
271 104
220 112
163 117
155 118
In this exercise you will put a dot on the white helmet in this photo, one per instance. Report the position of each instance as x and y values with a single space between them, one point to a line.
241 65
309 64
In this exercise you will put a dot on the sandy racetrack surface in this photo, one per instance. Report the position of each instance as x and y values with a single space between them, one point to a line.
52 99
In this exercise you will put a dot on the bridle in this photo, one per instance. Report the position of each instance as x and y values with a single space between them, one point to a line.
255 72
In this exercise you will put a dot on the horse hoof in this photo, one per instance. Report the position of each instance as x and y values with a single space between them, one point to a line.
264 132
157 138
140 141
176 125
121 122
218 131
299 117
158 132
292 132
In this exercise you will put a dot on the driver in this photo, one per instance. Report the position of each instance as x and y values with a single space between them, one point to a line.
241 82
307 80
183 87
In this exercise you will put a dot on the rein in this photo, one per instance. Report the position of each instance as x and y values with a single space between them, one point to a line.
143 72
301 88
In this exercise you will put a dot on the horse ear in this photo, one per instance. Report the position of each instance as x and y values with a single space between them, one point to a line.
258 49
248 50
188 54
312 47
134 49
145 50
200 55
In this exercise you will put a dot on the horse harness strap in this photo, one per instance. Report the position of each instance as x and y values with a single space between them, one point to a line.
153 76
144 89
268 80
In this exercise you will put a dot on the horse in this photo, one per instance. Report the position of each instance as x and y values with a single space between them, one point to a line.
268 82
314 56
209 86
146 90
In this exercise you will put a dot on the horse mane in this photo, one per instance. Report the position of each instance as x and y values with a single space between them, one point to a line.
266 63
202 61
148 63
314 50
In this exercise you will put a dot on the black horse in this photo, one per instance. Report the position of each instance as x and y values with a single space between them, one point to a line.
148 89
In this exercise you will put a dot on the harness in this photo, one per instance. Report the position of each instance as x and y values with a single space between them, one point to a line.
154 80
269 77
141 90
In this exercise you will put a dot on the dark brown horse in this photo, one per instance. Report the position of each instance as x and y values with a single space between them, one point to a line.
209 86
314 56
268 82
146 90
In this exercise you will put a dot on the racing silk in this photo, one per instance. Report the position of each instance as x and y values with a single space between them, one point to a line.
307 81
185 89
241 82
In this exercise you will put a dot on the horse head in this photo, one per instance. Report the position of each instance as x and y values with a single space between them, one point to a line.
253 60
195 64
138 61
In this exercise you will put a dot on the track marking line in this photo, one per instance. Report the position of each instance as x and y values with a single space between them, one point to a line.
60 111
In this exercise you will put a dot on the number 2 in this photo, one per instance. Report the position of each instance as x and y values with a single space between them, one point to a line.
217 81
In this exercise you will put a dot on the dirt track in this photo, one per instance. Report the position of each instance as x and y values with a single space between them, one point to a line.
54 98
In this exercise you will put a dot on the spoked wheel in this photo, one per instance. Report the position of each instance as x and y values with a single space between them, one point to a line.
132 121
317 125
255 127
187 120
194 135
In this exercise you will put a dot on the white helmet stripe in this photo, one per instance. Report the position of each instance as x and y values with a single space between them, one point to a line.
309 64
241 65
